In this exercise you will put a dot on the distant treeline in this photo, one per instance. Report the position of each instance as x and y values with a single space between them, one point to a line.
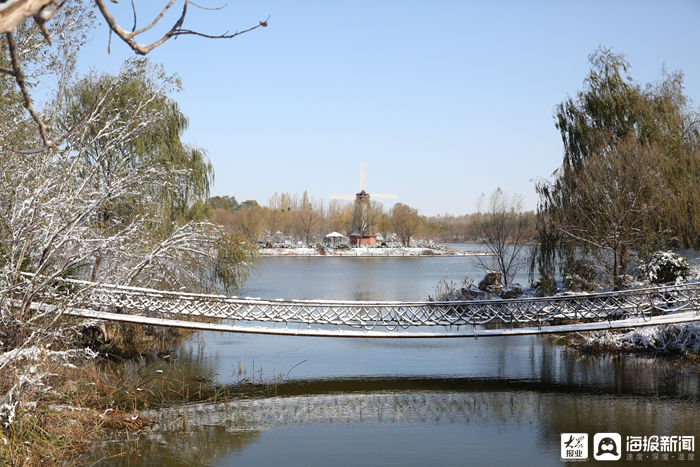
307 219
469 227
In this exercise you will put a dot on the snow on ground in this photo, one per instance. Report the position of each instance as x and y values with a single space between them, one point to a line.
369 251
35 353
674 338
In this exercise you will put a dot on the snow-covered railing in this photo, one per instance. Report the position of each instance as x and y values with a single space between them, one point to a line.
382 318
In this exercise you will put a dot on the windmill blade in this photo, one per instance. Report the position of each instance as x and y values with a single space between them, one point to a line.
384 196
362 176
344 197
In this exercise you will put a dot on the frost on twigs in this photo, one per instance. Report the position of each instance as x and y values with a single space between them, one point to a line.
103 206
465 289
34 368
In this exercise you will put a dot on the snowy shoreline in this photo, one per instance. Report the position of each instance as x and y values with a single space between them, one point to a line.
673 339
370 252
654 340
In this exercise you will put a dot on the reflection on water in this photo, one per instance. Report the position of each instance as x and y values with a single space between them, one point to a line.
525 358
491 401
335 423
400 400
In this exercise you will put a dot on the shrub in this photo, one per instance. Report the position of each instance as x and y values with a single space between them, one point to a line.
452 291
665 266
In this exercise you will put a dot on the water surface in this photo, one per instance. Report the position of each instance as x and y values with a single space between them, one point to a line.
326 401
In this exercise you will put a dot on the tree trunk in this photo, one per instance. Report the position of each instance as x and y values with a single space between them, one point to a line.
614 271
624 258
96 268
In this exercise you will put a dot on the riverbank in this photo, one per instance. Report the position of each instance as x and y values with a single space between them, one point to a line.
675 339
370 252
81 401
62 397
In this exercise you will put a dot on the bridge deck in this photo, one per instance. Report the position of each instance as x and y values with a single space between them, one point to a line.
416 319
672 318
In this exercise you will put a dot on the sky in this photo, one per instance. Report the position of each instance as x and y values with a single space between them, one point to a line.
442 100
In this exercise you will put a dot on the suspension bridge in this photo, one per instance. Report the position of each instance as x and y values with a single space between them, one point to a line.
633 308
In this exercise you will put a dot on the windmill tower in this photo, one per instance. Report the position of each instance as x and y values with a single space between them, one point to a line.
362 231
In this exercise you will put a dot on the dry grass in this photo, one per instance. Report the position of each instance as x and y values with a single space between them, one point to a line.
99 400
58 425
78 406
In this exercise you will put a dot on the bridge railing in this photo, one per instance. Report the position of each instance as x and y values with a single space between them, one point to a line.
392 315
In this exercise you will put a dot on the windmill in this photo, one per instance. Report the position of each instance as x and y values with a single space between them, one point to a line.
361 233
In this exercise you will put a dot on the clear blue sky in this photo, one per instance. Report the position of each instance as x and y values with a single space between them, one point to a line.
443 100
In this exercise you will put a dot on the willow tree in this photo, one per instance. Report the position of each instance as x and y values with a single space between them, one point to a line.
97 171
624 145
136 102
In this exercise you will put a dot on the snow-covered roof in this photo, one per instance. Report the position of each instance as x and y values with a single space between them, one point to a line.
335 234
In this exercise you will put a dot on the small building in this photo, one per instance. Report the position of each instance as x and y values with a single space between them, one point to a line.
334 239
363 240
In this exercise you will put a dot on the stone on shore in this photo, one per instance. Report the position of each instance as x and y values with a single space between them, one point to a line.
512 292
491 283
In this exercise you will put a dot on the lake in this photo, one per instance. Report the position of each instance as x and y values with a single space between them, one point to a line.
331 401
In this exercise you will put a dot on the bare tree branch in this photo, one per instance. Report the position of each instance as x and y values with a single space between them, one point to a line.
208 8
13 12
155 21
181 32
128 37
22 85
18 74
133 10
175 30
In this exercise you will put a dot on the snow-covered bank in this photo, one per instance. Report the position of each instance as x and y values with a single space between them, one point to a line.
369 251
670 339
